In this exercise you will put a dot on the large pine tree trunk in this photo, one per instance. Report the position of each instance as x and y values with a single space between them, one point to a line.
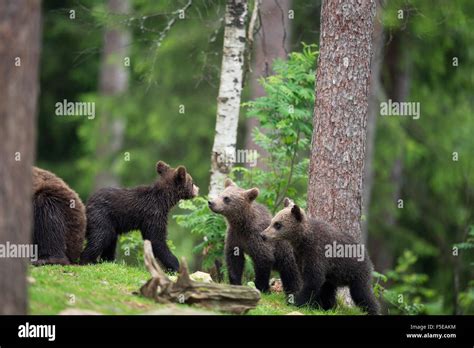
230 89
19 57
272 41
340 114
113 82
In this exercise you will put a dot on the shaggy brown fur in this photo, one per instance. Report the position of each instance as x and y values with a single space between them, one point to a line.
113 211
322 274
246 220
59 219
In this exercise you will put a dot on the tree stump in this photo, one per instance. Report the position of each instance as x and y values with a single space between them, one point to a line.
233 299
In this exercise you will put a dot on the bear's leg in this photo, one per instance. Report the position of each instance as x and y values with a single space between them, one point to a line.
327 296
109 252
99 237
361 292
289 274
160 248
49 230
306 296
263 270
310 292
235 261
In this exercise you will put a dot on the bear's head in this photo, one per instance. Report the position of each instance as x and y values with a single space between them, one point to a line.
177 180
287 224
233 200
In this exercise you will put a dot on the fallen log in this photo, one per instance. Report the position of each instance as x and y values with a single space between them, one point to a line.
234 299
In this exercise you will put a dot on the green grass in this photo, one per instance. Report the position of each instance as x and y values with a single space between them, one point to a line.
108 288
275 304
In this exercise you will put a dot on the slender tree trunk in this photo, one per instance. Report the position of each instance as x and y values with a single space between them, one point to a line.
377 94
113 82
20 30
340 114
271 42
230 89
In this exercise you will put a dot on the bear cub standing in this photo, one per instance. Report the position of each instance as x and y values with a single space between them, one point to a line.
113 211
59 220
321 274
246 220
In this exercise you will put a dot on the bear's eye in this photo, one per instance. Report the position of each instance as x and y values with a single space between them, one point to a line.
226 200
277 225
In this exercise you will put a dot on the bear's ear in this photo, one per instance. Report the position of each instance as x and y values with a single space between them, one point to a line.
181 174
228 182
252 194
162 167
297 213
288 202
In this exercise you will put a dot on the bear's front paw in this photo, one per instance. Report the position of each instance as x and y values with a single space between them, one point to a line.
301 300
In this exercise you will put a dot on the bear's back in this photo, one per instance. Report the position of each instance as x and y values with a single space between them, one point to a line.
45 182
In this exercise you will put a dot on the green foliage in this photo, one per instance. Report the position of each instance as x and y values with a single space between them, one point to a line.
469 243
208 226
285 114
466 297
406 291
130 247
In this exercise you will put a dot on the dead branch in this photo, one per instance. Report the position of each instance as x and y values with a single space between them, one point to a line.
221 297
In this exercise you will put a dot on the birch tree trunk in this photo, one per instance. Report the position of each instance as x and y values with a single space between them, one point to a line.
271 42
113 81
20 30
340 114
230 89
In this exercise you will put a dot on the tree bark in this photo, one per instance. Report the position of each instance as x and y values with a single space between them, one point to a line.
113 81
377 94
340 114
20 31
230 89
271 42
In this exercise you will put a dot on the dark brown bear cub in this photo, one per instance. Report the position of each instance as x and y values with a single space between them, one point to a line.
246 219
59 220
113 211
322 269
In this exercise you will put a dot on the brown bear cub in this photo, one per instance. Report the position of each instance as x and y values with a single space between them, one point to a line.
246 219
113 211
59 220
322 272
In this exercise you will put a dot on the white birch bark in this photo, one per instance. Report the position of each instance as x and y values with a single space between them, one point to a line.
230 89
